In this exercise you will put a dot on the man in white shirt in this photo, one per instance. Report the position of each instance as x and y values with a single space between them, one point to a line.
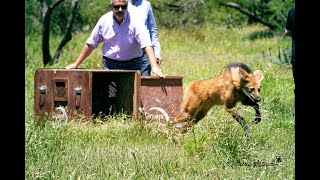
123 39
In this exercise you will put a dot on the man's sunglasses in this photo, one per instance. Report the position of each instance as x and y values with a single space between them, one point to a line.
117 7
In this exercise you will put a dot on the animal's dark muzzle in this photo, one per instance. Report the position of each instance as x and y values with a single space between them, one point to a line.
257 99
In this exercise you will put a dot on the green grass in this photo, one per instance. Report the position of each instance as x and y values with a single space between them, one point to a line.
119 148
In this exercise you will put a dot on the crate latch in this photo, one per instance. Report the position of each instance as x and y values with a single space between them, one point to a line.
78 96
42 95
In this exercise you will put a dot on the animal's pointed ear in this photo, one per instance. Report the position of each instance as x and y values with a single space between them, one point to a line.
235 74
243 74
235 77
258 74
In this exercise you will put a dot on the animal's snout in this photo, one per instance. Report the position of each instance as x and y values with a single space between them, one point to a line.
257 99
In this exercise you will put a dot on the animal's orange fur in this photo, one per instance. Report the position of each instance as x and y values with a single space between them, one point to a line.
237 83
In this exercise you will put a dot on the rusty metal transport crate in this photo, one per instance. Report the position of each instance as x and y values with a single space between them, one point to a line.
85 91
60 92
161 97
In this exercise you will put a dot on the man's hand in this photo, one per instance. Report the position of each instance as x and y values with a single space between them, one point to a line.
288 32
71 66
159 60
158 72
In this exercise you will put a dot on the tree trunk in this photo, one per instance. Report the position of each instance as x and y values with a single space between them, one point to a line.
46 17
45 33
67 36
250 14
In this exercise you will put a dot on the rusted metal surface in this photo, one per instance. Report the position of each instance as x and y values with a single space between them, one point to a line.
85 91
161 98
57 87
58 91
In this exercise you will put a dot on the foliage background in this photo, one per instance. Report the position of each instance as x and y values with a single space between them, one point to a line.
118 148
168 13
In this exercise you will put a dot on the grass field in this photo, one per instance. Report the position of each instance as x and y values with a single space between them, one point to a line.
119 148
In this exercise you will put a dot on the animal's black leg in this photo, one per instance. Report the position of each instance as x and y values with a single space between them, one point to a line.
200 115
242 122
230 108
256 107
257 119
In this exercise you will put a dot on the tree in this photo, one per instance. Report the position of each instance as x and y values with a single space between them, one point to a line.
270 13
46 18
176 13
250 14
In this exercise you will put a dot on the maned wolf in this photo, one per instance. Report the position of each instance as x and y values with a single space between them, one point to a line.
237 83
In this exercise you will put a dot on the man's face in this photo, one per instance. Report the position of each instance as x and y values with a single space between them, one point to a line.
119 8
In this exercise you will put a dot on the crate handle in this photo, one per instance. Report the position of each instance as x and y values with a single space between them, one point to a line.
78 96
42 95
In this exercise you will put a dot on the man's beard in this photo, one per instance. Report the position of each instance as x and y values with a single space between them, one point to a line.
119 15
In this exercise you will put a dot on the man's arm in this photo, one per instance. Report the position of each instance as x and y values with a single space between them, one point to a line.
152 26
289 23
85 52
152 60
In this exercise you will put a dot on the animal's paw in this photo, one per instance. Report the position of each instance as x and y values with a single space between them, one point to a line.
256 120
180 128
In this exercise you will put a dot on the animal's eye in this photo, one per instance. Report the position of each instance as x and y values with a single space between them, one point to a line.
251 90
